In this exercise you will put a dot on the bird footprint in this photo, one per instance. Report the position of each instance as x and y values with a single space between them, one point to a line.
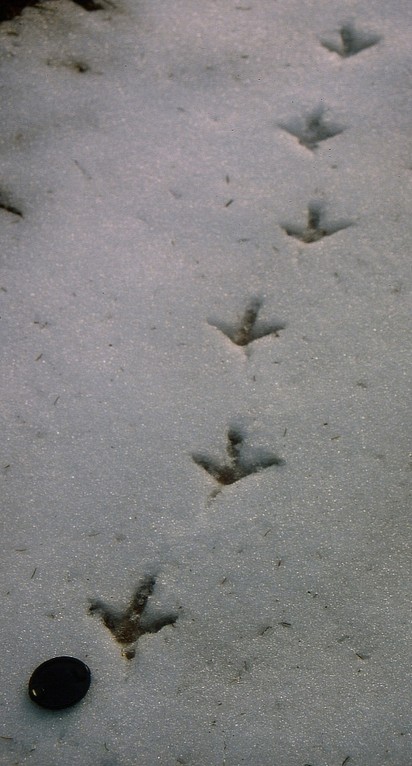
128 625
241 463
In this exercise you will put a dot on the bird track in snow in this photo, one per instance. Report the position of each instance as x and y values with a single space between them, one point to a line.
348 40
128 625
249 328
241 462
317 227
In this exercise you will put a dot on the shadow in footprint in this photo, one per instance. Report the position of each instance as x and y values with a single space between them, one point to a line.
241 463
90 5
76 65
312 128
8 205
129 624
249 328
349 41
316 228
9 9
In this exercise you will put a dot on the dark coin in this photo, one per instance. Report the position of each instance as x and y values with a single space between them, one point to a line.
59 682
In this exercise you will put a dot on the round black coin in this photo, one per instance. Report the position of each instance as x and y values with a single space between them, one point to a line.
59 683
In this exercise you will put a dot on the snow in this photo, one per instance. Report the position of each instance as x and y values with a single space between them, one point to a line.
153 162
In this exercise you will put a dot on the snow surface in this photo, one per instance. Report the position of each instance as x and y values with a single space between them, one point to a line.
154 157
